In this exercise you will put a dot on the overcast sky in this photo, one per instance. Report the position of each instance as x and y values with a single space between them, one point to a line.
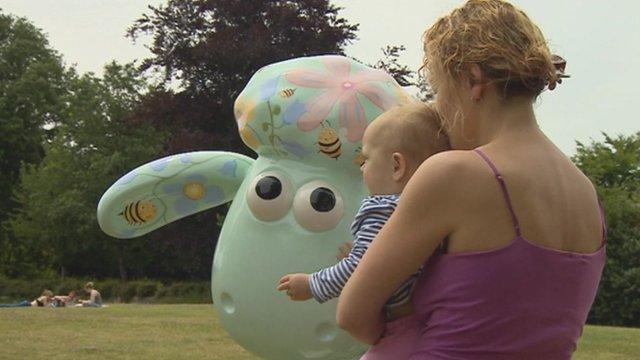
599 39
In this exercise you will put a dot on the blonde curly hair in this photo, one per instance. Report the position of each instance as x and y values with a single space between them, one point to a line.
509 48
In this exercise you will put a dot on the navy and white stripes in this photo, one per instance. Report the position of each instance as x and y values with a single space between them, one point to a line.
374 212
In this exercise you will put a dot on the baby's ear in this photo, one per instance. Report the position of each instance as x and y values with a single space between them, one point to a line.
399 166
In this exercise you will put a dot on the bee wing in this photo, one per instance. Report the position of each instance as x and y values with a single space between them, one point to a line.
169 189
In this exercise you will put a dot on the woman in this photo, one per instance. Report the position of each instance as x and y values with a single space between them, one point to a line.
522 225
95 299
42 301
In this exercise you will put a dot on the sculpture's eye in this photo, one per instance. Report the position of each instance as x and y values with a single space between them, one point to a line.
318 206
323 199
269 196
269 188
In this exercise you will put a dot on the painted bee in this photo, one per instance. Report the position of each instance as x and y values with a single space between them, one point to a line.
139 212
287 93
329 143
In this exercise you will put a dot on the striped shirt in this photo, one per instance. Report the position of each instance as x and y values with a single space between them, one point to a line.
374 212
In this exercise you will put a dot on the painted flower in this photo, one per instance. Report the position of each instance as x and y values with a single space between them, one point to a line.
293 112
160 164
192 192
229 168
127 178
295 148
186 158
244 111
341 87
269 88
249 137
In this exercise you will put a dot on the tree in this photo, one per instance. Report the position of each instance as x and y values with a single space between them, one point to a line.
406 77
56 226
614 167
31 83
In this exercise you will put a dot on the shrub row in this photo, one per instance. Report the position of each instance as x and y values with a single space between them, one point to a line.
148 291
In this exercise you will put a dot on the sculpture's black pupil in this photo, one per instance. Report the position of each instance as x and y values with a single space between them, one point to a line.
323 200
269 187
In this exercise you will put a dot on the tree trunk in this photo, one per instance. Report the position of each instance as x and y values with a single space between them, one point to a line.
121 266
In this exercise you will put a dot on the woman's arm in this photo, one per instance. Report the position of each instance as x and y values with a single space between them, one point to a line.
421 222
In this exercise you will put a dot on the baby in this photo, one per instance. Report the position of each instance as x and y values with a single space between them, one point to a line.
394 146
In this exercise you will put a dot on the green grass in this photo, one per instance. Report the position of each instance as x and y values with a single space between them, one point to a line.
184 332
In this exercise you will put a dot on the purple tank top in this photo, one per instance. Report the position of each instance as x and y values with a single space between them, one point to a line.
523 301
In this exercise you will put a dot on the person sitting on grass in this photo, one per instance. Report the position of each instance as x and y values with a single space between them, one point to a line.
43 300
64 300
95 299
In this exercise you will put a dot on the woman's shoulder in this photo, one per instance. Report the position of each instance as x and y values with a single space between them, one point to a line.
450 167
446 180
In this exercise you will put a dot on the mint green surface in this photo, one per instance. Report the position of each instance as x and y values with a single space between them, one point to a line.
305 119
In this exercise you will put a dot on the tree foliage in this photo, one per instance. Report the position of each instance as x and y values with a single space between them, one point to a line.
614 167
31 83
56 226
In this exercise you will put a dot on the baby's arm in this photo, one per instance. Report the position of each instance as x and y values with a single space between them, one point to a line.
344 250
297 286
327 284
322 285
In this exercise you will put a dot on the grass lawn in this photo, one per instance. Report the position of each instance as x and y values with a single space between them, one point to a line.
183 332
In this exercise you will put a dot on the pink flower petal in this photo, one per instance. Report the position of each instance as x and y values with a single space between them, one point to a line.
376 95
318 110
352 118
339 66
309 78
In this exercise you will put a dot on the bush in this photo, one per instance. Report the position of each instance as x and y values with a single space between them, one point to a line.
147 289
127 291
109 289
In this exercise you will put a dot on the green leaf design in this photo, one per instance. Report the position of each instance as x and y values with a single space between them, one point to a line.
265 126
276 110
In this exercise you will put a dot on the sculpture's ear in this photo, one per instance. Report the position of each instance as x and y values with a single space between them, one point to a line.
168 189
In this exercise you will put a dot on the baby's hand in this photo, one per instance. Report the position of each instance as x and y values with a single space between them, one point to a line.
296 286
344 250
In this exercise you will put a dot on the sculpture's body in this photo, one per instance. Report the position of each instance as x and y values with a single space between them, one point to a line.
291 208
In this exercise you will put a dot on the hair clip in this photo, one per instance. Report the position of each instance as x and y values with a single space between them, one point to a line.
560 64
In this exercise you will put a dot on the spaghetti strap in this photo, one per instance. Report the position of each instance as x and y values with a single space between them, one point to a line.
503 186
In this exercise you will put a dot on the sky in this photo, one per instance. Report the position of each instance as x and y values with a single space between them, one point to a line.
599 39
